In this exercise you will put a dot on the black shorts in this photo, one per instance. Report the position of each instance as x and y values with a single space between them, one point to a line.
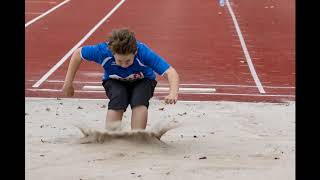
123 93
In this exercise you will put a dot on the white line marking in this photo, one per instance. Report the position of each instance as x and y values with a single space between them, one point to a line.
164 84
44 14
152 99
56 66
223 94
191 90
245 50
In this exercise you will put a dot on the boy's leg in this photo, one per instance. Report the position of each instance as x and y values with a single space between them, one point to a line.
139 117
113 120
141 93
118 95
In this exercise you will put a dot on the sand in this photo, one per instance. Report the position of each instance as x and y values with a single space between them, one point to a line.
214 140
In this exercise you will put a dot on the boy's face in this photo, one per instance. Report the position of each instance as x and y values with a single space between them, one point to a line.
124 60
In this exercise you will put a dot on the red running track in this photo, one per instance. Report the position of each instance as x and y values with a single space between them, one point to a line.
200 43
36 8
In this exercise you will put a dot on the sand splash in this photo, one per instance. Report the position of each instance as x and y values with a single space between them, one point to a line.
143 136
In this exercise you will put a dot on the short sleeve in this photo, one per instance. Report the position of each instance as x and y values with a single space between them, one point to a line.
153 60
90 53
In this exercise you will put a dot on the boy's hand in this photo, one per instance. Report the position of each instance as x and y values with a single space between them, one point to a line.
68 90
171 99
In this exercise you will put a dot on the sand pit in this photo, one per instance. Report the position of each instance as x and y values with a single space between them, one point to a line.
214 140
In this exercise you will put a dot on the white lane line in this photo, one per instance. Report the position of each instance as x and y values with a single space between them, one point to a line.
161 89
223 94
46 13
183 84
152 99
245 50
56 66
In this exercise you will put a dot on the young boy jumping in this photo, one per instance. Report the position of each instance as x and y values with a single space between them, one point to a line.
129 76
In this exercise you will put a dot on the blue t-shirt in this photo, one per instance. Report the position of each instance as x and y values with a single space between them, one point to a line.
145 63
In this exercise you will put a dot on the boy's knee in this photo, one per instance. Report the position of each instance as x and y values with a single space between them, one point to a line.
138 107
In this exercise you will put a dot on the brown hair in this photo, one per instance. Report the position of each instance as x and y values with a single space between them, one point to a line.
122 41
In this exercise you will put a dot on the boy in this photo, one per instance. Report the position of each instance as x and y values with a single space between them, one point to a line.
129 77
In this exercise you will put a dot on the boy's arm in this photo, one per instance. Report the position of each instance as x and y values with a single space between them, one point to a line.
172 76
72 69
161 67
